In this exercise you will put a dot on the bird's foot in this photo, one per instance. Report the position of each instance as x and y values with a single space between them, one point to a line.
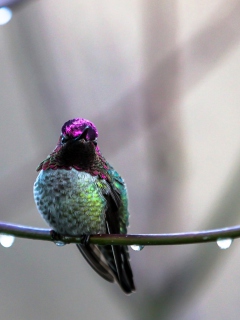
55 236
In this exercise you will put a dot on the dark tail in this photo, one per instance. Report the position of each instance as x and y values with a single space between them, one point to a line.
111 263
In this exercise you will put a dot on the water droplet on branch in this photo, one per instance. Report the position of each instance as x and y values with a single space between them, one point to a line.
137 247
6 240
224 243
59 243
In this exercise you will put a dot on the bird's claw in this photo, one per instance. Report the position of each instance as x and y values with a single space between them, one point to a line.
55 236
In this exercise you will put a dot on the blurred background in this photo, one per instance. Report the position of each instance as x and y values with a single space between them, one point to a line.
160 80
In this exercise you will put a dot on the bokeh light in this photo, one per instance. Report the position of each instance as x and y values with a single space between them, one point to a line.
5 15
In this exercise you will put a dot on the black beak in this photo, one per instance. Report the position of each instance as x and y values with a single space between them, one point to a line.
83 135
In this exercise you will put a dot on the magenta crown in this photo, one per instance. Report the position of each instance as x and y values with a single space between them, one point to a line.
75 127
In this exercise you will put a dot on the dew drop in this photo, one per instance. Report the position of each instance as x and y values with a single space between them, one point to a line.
224 243
59 243
137 247
6 240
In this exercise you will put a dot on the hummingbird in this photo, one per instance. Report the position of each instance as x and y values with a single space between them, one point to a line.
77 192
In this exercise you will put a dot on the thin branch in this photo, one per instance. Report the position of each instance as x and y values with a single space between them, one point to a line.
129 239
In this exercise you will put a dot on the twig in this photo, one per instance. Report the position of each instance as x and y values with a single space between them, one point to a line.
129 239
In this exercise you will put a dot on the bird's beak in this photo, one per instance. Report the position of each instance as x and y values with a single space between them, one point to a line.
83 135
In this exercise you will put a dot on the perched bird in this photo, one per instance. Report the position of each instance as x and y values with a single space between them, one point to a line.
78 192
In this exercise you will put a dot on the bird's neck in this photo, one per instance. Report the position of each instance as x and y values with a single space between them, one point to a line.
95 164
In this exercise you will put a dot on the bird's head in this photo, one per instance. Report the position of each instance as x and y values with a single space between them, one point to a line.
78 129
77 144
77 148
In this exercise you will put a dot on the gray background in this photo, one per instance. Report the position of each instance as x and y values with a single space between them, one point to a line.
160 79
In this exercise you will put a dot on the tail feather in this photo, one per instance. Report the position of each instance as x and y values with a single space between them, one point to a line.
124 274
111 263
92 254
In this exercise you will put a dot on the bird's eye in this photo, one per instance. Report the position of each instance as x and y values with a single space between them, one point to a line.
64 139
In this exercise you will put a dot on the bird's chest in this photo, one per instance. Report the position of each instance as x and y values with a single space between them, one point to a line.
70 201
